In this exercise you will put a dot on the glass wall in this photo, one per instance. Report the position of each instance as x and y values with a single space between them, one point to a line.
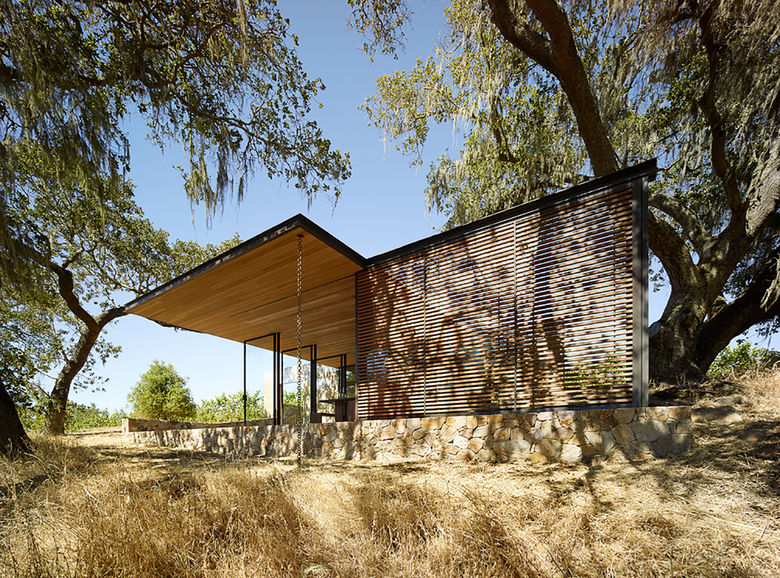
259 370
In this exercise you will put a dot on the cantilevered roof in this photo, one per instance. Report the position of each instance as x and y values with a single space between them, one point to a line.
251 291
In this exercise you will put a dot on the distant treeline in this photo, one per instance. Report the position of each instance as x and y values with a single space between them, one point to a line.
224 407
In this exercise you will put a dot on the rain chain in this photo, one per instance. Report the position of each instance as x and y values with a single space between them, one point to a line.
298 337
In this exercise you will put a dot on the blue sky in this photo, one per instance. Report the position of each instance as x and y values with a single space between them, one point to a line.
381 207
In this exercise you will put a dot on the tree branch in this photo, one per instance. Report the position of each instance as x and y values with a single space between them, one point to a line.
765 196
522 36
502 146
70 260
55 414
560 57
739 315
109 315
706 103
66 286
688 219
670 249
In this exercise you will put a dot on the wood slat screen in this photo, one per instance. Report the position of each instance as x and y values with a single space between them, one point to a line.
532 312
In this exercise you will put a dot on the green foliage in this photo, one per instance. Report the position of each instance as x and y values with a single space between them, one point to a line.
161 393
290 398
604 373
381 22
742 357
230 407
187 255
30 344
82 416
109 250
106 245
79 417
516 132
222 79
291 408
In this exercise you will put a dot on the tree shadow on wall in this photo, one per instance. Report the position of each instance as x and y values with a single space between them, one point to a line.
454 329
576 315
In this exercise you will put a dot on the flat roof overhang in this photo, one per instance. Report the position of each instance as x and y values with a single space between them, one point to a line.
251 290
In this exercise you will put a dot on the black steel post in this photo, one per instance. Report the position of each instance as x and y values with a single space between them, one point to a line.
514 308
339 389
277 381
342 376
639 207
356 343
276 363
425 334
244 383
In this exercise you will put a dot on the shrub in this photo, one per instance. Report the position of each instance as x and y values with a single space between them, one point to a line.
230 407
602 373
162 393
743 357
78 417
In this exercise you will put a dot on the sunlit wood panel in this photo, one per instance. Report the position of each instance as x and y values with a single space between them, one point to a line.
254 293
529 312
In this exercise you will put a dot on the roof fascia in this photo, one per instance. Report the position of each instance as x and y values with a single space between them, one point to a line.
647 169
290 224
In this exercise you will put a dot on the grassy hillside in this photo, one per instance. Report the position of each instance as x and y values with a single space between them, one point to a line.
93 506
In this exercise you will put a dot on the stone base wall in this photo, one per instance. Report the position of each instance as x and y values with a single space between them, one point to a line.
569 436
132 424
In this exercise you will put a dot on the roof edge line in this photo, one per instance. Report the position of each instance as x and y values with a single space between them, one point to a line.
266 236
647 169
331 240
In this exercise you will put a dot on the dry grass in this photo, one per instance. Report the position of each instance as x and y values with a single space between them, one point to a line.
95 507
763 391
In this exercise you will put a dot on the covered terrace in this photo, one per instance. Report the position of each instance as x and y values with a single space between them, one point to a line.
250 295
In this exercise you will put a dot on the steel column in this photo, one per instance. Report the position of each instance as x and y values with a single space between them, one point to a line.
356 344
277 381
244 383
313 380
639 207
276 373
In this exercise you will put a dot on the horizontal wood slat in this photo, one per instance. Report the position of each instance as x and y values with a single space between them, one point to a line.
532 312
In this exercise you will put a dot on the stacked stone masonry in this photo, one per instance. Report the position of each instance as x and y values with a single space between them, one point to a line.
133 424
568 436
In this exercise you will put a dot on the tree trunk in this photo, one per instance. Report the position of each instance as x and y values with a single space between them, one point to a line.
738 316
58 400
694 327
13 438
557 53
672 351
692 330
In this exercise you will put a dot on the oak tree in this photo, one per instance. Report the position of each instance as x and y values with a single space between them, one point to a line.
161 393
218 77
546 93
88 256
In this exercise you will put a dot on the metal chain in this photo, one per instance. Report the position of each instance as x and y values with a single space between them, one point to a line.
298 337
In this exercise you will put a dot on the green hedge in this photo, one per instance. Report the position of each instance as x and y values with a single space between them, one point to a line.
230 407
